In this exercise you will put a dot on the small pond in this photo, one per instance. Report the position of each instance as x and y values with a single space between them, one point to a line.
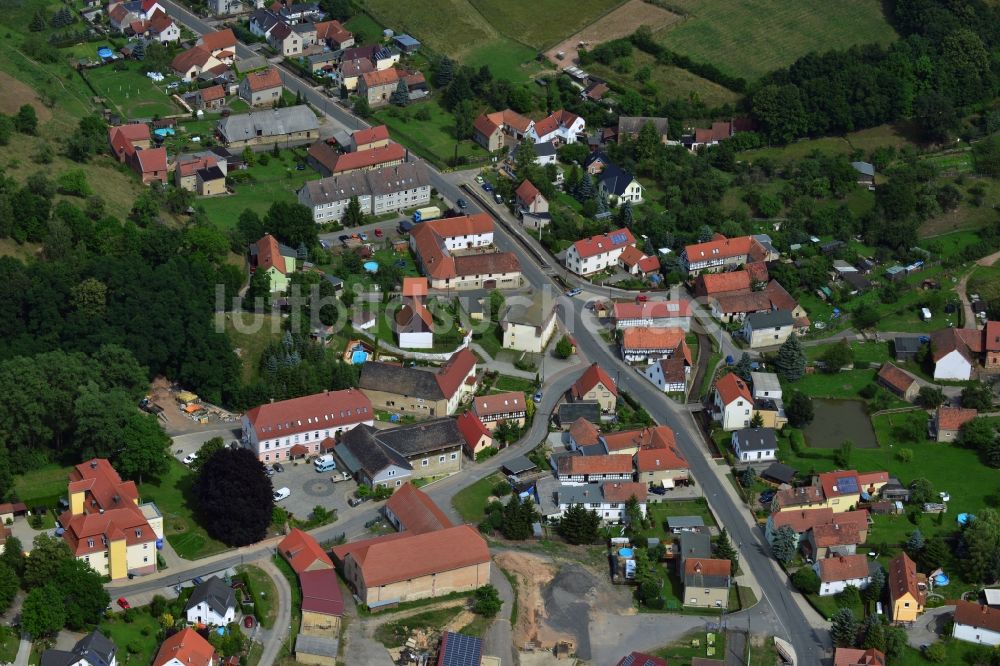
840 420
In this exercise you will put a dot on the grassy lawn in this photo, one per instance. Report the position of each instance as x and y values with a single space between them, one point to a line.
364 24
253 335
293 583
138 639
844 385
691 646
477 627
264 593
433 139
507 383
278 180
172 495
491 340
866 140
506 58
470 502
674 82
44 485
9 642
827 606
394 633
749 39
133 93
658 513
542 24
864 352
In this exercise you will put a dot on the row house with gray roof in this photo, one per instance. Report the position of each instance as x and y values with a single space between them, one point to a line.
391 457
385 190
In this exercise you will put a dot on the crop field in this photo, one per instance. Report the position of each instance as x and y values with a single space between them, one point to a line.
542 24
749 38
134 93
621 22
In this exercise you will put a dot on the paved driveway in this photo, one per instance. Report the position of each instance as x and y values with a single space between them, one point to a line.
311 488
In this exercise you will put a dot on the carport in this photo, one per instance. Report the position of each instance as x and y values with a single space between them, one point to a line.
298 451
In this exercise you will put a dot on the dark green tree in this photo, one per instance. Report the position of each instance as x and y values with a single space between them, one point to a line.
783 545
748 477
206 451
791 361
844 628
486 601
13 556
838 357
922 491
931 397
977 395
874 634
43 612
444 72
799 409
874 590
47 555
353 215
579 525
26 120
230 473
518 517
564 348
401 95
915 543
806 581
743 367
724 550
38 22
362 108
8 586
139 50
82 591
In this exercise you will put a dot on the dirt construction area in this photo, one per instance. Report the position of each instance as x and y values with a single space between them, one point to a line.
557 601
16 94
619 23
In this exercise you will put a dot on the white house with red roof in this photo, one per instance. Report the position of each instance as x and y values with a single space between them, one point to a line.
596 385
635 262
288 429
560 126
721 252
105 526
529 199
597 253
732 402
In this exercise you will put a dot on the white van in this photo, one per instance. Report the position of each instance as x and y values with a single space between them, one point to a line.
324 463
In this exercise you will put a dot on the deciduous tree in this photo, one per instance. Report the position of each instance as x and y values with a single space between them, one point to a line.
228 475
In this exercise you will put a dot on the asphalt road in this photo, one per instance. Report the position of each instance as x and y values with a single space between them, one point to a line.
810 644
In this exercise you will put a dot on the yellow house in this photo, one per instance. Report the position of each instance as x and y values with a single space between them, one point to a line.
596 385
105 526
904 590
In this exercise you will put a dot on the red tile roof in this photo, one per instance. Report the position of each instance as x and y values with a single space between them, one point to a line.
320 411
527 191
707 567
953 418
715 283
991 336
601 243
975 615
488 263
584 433
213 93
160 23
383 561
660 459
268 253
895 377
802 496
966 341
652 310
321 592
194 56
109 509
836 534
472 430
485 126
855 657
332 30
303 552
220 40
590 378
832 486
264 79
186 646
731 387
381 77
416 511
438 263
648 265
476 224
843 567
367 159
902 579
554 121
801 520
718 248
631 256
622 491
151 160
415 286
658 437
736 302
499 403
652 338
452 374
511 119
371 135
608 464
641 659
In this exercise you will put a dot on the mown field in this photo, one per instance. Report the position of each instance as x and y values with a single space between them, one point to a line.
542 24
134 93
749 38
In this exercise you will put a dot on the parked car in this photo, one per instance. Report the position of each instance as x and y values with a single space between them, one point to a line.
479 179
573 292
190 458
487 187
123 602
378 233
248 622
354 501
462 203
281 494
277 467
363 236
767 496
658 490
343 238
641 298
268 471
537 397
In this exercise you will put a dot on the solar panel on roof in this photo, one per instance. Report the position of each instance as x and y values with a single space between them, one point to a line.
460 650
618 238
847 484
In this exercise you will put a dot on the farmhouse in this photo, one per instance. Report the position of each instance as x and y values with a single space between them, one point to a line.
262 88
105 526
559 127
856 657
583 434
190 64
658 461
671 374
490 129
658 314
456 253
634 262
221 44
287 429
289 125
836 573
598 253
378 191
947 422
528 328
608 499
212 98
420 391
334 35
331 163
424 449
370 138
642 344
957 351
977 624
126 139
496 407
303 553
898 381
596 385
277 260
721 252
477 436
841 535
530 200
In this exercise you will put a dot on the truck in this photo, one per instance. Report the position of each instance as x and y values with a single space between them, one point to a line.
426 213
324 463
